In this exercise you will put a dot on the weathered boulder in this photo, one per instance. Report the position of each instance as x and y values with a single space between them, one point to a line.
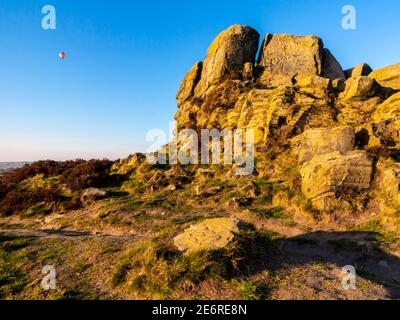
389 109
210 234
319 87
281 112
157 180
387 121
357 112
177 177
358 71
285 56
227 55
331 68
388 77
125 166
388 132
188 84
360 88
326 176
390 183
136 159
90 195
320 141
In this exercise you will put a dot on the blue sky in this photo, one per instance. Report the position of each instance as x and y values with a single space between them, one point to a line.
126 60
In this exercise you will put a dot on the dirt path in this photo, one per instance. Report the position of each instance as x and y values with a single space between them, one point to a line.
308 266
52 233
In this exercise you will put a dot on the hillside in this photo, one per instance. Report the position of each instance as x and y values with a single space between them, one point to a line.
324 192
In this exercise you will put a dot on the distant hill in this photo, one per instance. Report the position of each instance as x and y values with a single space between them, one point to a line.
5 166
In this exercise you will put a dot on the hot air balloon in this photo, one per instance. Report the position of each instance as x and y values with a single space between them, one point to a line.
62 55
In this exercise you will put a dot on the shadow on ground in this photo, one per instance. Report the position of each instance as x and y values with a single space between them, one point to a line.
362 250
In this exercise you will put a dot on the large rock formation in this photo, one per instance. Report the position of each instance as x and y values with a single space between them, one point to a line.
297 86
229 91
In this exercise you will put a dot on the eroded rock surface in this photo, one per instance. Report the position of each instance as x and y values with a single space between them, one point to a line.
358 71
326 175
227 55
320 141
391 183
90 195
211 234
388 77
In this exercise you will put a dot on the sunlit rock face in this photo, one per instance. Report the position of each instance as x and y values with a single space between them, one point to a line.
293 91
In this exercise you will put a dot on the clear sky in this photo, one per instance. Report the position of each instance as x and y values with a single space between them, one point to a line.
126 60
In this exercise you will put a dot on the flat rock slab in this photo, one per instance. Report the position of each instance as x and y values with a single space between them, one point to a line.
388 77
318 141
211 234
325 174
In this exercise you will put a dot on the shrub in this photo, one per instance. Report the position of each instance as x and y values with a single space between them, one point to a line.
18 200
77 175
46 167
3 188
93 173
249 290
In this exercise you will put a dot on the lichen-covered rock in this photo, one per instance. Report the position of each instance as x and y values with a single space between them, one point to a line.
387 121
331 68
389 109
325 140
125 166
358 71
188 84
227 55
360 88
357 112
317 86
90 195
296 85
326 175
390 184
285 56
388 77
157 180
210 235
279 113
